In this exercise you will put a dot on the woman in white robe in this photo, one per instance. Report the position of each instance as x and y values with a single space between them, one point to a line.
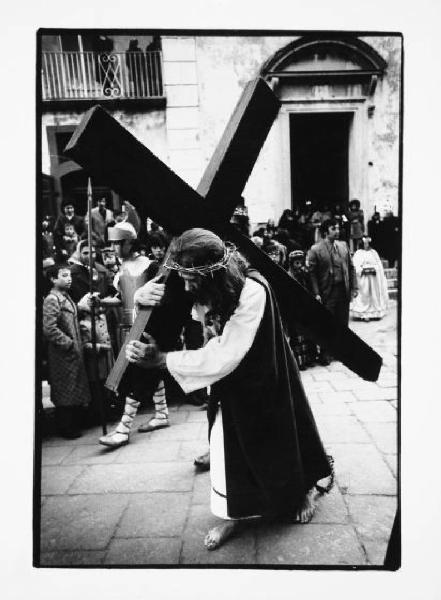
371 301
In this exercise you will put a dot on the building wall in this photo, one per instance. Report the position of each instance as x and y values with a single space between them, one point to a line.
385 130
204 78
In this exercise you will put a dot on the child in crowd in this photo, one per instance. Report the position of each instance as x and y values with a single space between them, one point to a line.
67 374
69 241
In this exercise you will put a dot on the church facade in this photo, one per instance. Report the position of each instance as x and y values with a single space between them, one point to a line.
336 137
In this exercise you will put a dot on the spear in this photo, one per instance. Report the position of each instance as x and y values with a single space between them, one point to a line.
92 311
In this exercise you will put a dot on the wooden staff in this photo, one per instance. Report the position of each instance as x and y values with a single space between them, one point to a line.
95 370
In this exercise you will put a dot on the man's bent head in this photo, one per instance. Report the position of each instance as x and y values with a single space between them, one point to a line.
213 271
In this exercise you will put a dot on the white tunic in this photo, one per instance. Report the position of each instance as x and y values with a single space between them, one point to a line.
195 369
371 301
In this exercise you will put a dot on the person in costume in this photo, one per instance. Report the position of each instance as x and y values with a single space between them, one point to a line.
266 454
132 274
371 302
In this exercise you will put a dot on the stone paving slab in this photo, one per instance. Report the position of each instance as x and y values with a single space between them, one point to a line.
373 516
389 393
154 515
203 434
54 455
201 488
147 450
341 429
135 477
314 398
238 550
144 551
58 479
189 407
387 380
88 438
318 386
375 411
197 417
179 416
331 508
80 522
91 455
190 450
384 436
310 544
334 407
69 558
360 469
331 376
354 385
336 398
392 461
178 432
376 552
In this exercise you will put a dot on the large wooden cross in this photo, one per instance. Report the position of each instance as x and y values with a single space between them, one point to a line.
108 151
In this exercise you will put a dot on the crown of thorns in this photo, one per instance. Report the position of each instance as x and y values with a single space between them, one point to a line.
203 270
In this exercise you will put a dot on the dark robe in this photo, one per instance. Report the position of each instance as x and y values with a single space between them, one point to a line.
273 452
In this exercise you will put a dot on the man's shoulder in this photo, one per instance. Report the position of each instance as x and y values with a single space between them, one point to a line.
342 245
318 246
77 270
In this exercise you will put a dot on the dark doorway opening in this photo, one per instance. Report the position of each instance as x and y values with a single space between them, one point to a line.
74 189
319 158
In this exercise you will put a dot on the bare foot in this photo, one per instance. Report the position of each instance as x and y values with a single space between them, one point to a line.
216 536
307 509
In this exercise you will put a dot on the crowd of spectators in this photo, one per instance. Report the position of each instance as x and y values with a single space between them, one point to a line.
141 247
299 229
69 359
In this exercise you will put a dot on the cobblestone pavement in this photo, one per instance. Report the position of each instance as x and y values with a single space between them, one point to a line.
143 504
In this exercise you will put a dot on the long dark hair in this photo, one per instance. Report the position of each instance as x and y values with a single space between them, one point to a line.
221 288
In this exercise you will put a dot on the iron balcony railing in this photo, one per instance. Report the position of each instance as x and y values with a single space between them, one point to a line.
90 75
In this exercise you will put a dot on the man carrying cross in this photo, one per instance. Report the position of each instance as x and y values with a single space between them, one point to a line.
266 453
273 456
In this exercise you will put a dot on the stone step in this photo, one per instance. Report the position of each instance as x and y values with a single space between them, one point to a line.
391 273
392 284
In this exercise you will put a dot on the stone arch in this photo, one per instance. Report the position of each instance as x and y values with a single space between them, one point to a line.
325 55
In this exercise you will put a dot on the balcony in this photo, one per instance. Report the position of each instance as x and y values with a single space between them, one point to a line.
90 76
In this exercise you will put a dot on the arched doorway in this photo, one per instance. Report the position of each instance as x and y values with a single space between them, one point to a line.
327 88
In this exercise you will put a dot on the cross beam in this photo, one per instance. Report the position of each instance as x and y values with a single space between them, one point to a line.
107 150
225 176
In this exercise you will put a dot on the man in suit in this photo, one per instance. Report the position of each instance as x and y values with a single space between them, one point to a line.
332 274
102 217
